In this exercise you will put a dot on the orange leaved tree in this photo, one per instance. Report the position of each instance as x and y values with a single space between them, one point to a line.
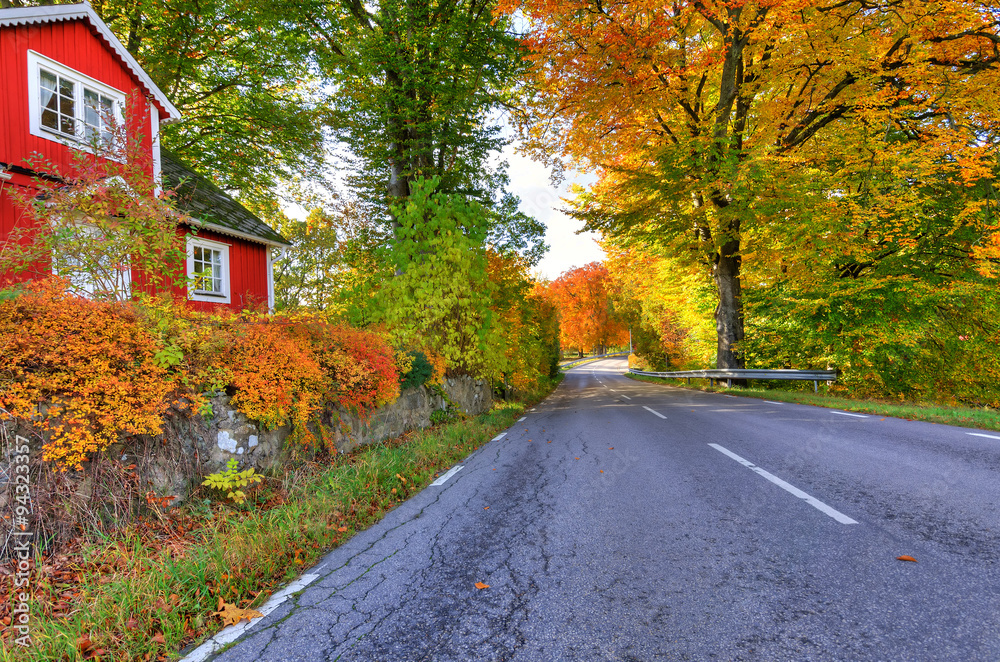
587 318
711 122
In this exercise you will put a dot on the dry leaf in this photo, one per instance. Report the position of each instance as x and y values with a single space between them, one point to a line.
481 585
131 623
401 478
602 470
486 508
342 529
904 557
612 448
158 638
231 614
576 458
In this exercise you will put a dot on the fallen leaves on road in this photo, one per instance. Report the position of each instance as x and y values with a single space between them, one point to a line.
904 557
612 448
481 585
486 508
231 614
602 470
576 458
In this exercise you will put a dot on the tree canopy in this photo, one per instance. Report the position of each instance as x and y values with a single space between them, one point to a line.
713 124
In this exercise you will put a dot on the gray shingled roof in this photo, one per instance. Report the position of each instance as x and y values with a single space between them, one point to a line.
207 203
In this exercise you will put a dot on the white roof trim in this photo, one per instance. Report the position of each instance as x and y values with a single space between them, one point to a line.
199 224
83 11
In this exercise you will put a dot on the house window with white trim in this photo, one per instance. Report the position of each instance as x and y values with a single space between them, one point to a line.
69 107
94 265
208 270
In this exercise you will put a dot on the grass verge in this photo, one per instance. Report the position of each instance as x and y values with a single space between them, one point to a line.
146 592
969 417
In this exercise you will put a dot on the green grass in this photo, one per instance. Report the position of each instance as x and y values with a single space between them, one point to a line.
139 597
970 417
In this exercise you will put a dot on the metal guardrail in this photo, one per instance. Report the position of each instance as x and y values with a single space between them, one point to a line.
573 364
814 376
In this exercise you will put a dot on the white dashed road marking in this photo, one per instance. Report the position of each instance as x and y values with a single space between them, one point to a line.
499 436
988 436
451 472
812 501
844 413
653 411
233 632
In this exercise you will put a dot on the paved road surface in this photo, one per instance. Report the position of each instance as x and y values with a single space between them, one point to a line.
630 521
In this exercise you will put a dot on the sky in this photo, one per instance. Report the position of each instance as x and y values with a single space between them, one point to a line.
540 199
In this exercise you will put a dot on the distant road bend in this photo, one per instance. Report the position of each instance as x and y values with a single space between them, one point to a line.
635 522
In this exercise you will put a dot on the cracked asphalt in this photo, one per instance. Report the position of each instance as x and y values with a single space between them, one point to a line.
606 532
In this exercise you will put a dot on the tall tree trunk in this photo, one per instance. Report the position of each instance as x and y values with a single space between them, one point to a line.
729 311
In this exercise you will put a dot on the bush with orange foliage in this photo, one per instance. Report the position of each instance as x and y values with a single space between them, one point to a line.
88 373
82 372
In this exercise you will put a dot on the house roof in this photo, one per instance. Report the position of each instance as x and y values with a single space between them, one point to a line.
211 207
84 12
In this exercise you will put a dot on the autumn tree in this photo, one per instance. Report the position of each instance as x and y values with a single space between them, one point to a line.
242 76
705 118
666 303
587 318
333 260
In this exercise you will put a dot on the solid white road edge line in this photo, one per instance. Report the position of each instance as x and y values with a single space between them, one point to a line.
653 411
523 418
812 501
233 632
451 472
499 436
988 436
771 402
626 397
844 413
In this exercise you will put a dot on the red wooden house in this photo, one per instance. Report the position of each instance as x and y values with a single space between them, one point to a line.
64 79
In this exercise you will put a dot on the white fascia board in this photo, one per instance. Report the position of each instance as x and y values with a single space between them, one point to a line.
83 11
202 225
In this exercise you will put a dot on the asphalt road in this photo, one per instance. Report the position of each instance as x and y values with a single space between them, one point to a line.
621 521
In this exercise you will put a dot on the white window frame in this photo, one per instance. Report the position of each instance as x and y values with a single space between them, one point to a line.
83 281
37 62
199 295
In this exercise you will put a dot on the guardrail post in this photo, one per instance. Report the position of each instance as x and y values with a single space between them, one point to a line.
815 386
689 381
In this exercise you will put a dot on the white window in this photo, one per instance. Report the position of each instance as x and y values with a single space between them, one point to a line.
208 270
95 265
69 107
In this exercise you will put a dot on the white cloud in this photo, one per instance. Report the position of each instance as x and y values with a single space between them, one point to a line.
529 180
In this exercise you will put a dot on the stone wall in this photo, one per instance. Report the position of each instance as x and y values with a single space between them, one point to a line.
191 446
230 434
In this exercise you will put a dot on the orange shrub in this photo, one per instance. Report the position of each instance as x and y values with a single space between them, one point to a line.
86 373
81 371
360 367
276 378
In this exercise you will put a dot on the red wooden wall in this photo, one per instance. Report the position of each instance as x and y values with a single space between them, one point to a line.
247 273
72 44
